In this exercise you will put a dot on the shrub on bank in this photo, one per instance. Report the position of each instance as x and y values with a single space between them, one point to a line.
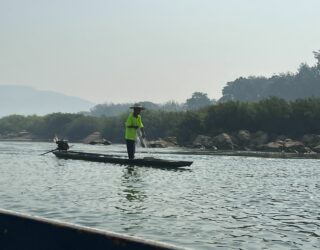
274 116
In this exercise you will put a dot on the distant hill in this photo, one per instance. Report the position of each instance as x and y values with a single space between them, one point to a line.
24 100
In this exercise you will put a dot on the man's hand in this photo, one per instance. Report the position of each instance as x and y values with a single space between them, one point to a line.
143 134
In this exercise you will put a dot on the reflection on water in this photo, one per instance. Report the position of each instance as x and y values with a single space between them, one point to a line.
220 202
131 185
131 199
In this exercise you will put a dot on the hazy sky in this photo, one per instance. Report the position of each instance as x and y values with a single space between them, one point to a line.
153 50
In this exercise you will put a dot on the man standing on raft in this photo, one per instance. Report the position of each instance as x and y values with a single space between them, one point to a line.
132 124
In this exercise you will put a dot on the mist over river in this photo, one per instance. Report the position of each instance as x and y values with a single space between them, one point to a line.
220 202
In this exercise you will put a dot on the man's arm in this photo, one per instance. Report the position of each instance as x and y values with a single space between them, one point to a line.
142 133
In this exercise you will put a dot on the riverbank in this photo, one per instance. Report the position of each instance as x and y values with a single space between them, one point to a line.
193 151
258 154
283 155
24 140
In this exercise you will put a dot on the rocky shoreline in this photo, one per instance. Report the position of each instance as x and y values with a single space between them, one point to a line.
240 143
260 141
245 143
265 154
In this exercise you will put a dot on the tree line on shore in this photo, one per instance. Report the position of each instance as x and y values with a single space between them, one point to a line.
273 115
289 86
196 101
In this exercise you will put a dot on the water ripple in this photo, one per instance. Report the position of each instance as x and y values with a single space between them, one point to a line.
220 202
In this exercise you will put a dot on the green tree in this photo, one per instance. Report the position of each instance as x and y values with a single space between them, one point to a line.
317 57
56 123
189 127
13 123
228 116
113 128
81 127
272 115
305 117
303 84
197 101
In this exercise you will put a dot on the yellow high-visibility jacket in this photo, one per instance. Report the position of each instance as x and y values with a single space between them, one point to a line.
131 133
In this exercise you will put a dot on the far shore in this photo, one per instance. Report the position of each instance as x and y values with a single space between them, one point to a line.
264 154
247 153
24 140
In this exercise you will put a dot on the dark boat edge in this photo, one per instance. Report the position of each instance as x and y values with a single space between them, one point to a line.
22 231
148 162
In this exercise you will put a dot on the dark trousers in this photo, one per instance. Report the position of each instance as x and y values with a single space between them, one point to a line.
131 148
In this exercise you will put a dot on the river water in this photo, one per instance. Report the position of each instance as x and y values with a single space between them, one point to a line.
220 202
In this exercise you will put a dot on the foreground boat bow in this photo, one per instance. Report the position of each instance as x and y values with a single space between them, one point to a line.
147 161
20 231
